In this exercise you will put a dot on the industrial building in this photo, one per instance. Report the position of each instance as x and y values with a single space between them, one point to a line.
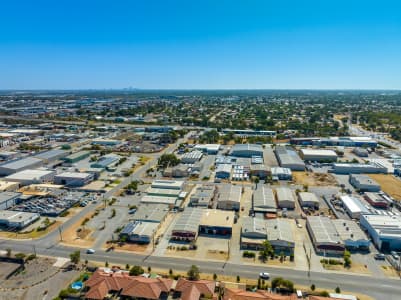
353 206
76 157
364 183
247 150
320 155
106 161
324 235
17 219
73 179
18 165
307 199
285 198
187 226
208 148
377 200
278 232
27 177
343 141
249 132
106 142
217 222
162 192
191 157
351 235
280 236
384 230
203 196
155 213
263 200
51 155
260 170
288 158
223 171
229 197
351 168
279 173
8 199
170 201
168 184
139 232
361 152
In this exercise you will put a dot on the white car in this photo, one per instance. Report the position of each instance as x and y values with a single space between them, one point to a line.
264 275
90 251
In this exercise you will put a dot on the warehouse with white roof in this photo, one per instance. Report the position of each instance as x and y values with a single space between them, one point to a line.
364 183
353 206
320 155
18 165
27 177
384 230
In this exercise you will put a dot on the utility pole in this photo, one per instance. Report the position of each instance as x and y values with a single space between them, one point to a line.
59 231
34 249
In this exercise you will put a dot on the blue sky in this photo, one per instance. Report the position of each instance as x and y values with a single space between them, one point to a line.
79 44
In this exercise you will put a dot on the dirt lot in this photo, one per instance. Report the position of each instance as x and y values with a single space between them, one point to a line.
389 184
82 238
355 268
30 235
313 179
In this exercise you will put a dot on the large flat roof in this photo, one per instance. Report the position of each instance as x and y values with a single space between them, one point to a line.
189 220
218 218
151 212
168 184
318 152
385 224
323 230
21 163
30 174
354 204
74 175
16 216
51 154
349 230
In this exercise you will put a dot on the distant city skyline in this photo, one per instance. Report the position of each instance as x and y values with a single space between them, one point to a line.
212 45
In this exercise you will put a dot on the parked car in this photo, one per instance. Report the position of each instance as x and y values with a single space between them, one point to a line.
380 256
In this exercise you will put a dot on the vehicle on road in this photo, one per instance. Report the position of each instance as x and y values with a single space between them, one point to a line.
264 275
90 251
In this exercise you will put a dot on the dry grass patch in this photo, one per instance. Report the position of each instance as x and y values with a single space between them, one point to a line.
313 179
389 184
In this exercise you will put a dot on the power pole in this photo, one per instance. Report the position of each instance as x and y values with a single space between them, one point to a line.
59 231
34 249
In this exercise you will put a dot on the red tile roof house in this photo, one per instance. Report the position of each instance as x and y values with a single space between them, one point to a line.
102 283
238 294
194 290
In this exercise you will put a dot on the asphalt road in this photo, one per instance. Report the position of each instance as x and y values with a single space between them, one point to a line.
376 287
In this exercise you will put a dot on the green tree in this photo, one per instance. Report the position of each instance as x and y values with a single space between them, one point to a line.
136 270
75 257
168 160
238 278
193 273
312 287
338 290
214 276
267 250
